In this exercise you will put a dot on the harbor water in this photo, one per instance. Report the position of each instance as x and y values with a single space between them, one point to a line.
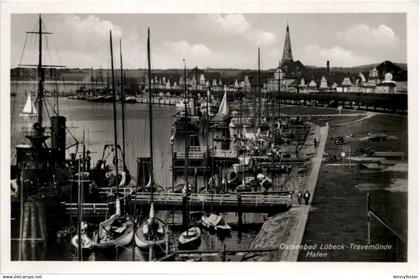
96 120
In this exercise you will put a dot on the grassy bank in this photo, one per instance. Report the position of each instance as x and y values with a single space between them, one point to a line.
339 215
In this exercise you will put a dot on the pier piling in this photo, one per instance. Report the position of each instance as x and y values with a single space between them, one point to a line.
240 221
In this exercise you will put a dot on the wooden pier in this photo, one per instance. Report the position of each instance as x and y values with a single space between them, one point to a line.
232 202
89 209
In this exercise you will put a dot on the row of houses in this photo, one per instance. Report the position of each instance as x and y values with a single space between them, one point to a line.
281 81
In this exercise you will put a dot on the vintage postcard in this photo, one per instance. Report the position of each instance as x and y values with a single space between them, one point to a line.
142 137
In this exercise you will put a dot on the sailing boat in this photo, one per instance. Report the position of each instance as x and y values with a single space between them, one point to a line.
152 231
191 238
223 113
115 231
29 109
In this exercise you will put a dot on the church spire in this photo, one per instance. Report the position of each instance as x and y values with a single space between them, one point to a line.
287 50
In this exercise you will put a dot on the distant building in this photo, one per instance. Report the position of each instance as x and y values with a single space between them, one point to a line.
324 84
302 86
291 68
387 85
247 84
202 79
312 86
277 80
287 49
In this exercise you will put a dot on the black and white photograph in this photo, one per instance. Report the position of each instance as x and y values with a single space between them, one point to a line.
229 136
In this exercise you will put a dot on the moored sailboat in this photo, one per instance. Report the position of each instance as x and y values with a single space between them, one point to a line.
29 109
152 232
116 231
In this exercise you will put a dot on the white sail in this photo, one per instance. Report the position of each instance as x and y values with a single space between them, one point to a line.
223 109
152 211
29 108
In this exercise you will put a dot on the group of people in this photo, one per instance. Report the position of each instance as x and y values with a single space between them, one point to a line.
305 196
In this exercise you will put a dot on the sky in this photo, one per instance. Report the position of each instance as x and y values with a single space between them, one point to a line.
211 40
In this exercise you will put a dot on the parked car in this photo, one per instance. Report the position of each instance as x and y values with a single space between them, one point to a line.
339 141
377 136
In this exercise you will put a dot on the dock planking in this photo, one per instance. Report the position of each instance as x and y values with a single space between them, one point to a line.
262 203
231 202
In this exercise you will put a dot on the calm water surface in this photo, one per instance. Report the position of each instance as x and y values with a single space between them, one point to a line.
96 119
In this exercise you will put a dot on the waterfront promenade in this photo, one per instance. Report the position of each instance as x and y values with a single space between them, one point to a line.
298 229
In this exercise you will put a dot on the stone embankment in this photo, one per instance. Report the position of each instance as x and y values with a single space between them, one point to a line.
287 228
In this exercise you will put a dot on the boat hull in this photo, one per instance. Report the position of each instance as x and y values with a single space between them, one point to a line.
121 241
186 242
143 243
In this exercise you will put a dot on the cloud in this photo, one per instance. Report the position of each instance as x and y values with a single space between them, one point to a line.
183 47
260 37
317 55
86 32
81 41
365 36
170 54
230 23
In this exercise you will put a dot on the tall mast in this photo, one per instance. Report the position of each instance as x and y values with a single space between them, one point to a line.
149 74
186 149
259 89
122 105
115 112
56 91
207 132
40 98
278 94
186 129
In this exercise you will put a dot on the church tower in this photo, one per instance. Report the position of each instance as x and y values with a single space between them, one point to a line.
287 50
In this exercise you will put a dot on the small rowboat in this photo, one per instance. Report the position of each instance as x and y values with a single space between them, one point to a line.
190 239
114 237
151 233
215 223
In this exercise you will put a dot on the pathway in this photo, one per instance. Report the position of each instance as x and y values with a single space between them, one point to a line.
298 230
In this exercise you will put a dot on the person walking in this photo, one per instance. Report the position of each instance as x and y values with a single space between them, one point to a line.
306 197
299 197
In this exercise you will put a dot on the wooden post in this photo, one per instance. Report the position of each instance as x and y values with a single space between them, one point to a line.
42 223
239 212
133 242
167 242
368 217
33 223
184 212
195 181
21 214
151 253
223 252
220 178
